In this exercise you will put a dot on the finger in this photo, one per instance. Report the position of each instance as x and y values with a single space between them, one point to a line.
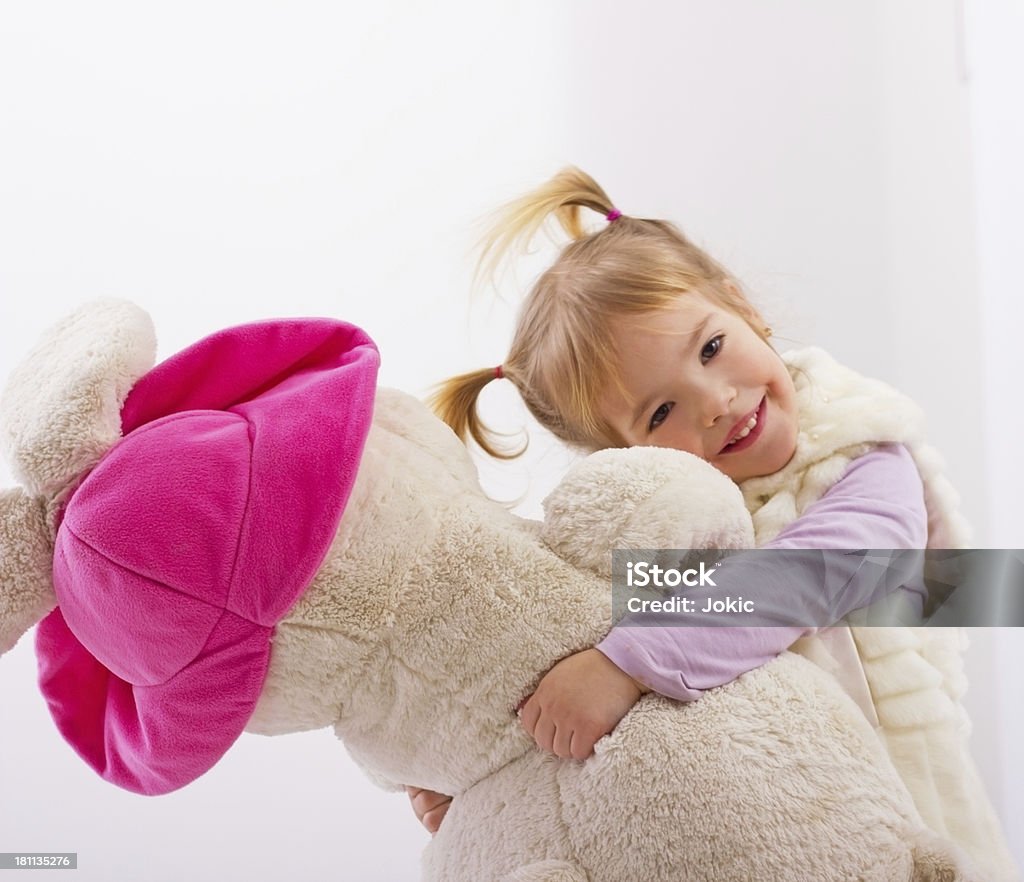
528 715
432 819
544 734
414 794
562 743
426 801
582 745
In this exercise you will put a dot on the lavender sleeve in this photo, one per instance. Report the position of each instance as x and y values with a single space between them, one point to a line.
878 503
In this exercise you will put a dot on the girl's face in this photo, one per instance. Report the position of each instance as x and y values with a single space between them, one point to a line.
699 379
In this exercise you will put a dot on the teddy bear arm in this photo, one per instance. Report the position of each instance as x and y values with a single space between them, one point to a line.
26 587
59 413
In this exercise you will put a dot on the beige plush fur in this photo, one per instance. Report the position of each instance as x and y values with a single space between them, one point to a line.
437 610
60 413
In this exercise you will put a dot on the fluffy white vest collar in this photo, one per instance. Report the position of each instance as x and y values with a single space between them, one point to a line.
841 415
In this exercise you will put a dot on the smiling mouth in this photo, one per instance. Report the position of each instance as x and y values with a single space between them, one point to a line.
748 432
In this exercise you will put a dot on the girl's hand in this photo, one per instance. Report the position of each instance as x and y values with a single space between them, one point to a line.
430 807
581 699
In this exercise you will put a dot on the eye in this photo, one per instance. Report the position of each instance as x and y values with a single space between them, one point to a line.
712 348
659 416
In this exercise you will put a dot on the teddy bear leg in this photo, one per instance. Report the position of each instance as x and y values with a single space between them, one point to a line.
548 871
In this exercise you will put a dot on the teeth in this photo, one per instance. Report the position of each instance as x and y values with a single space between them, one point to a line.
745 430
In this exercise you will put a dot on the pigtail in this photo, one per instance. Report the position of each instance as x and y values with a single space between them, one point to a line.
454 401
514 225
511 230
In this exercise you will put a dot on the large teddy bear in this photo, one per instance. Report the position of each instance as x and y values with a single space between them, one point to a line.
409 612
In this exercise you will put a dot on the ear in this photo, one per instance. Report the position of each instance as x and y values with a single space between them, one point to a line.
61 408
643 497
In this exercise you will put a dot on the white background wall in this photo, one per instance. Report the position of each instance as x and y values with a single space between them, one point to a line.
995 70
221 162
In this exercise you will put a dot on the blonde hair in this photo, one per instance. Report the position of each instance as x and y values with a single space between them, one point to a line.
563 355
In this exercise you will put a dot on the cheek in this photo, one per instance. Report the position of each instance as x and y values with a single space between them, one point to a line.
756 368
679 438
781 385
788 422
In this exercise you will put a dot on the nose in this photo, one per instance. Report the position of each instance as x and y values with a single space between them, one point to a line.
716 403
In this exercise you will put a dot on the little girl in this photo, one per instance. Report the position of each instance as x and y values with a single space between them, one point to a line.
635 336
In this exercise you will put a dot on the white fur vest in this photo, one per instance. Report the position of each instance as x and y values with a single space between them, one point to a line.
908 681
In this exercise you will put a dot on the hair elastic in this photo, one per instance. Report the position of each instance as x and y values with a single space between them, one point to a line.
499 373
613 215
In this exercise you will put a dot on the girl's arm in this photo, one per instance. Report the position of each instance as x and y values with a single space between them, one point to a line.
878 503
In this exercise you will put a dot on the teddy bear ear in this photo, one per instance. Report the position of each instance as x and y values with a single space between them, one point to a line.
61 408
642 498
